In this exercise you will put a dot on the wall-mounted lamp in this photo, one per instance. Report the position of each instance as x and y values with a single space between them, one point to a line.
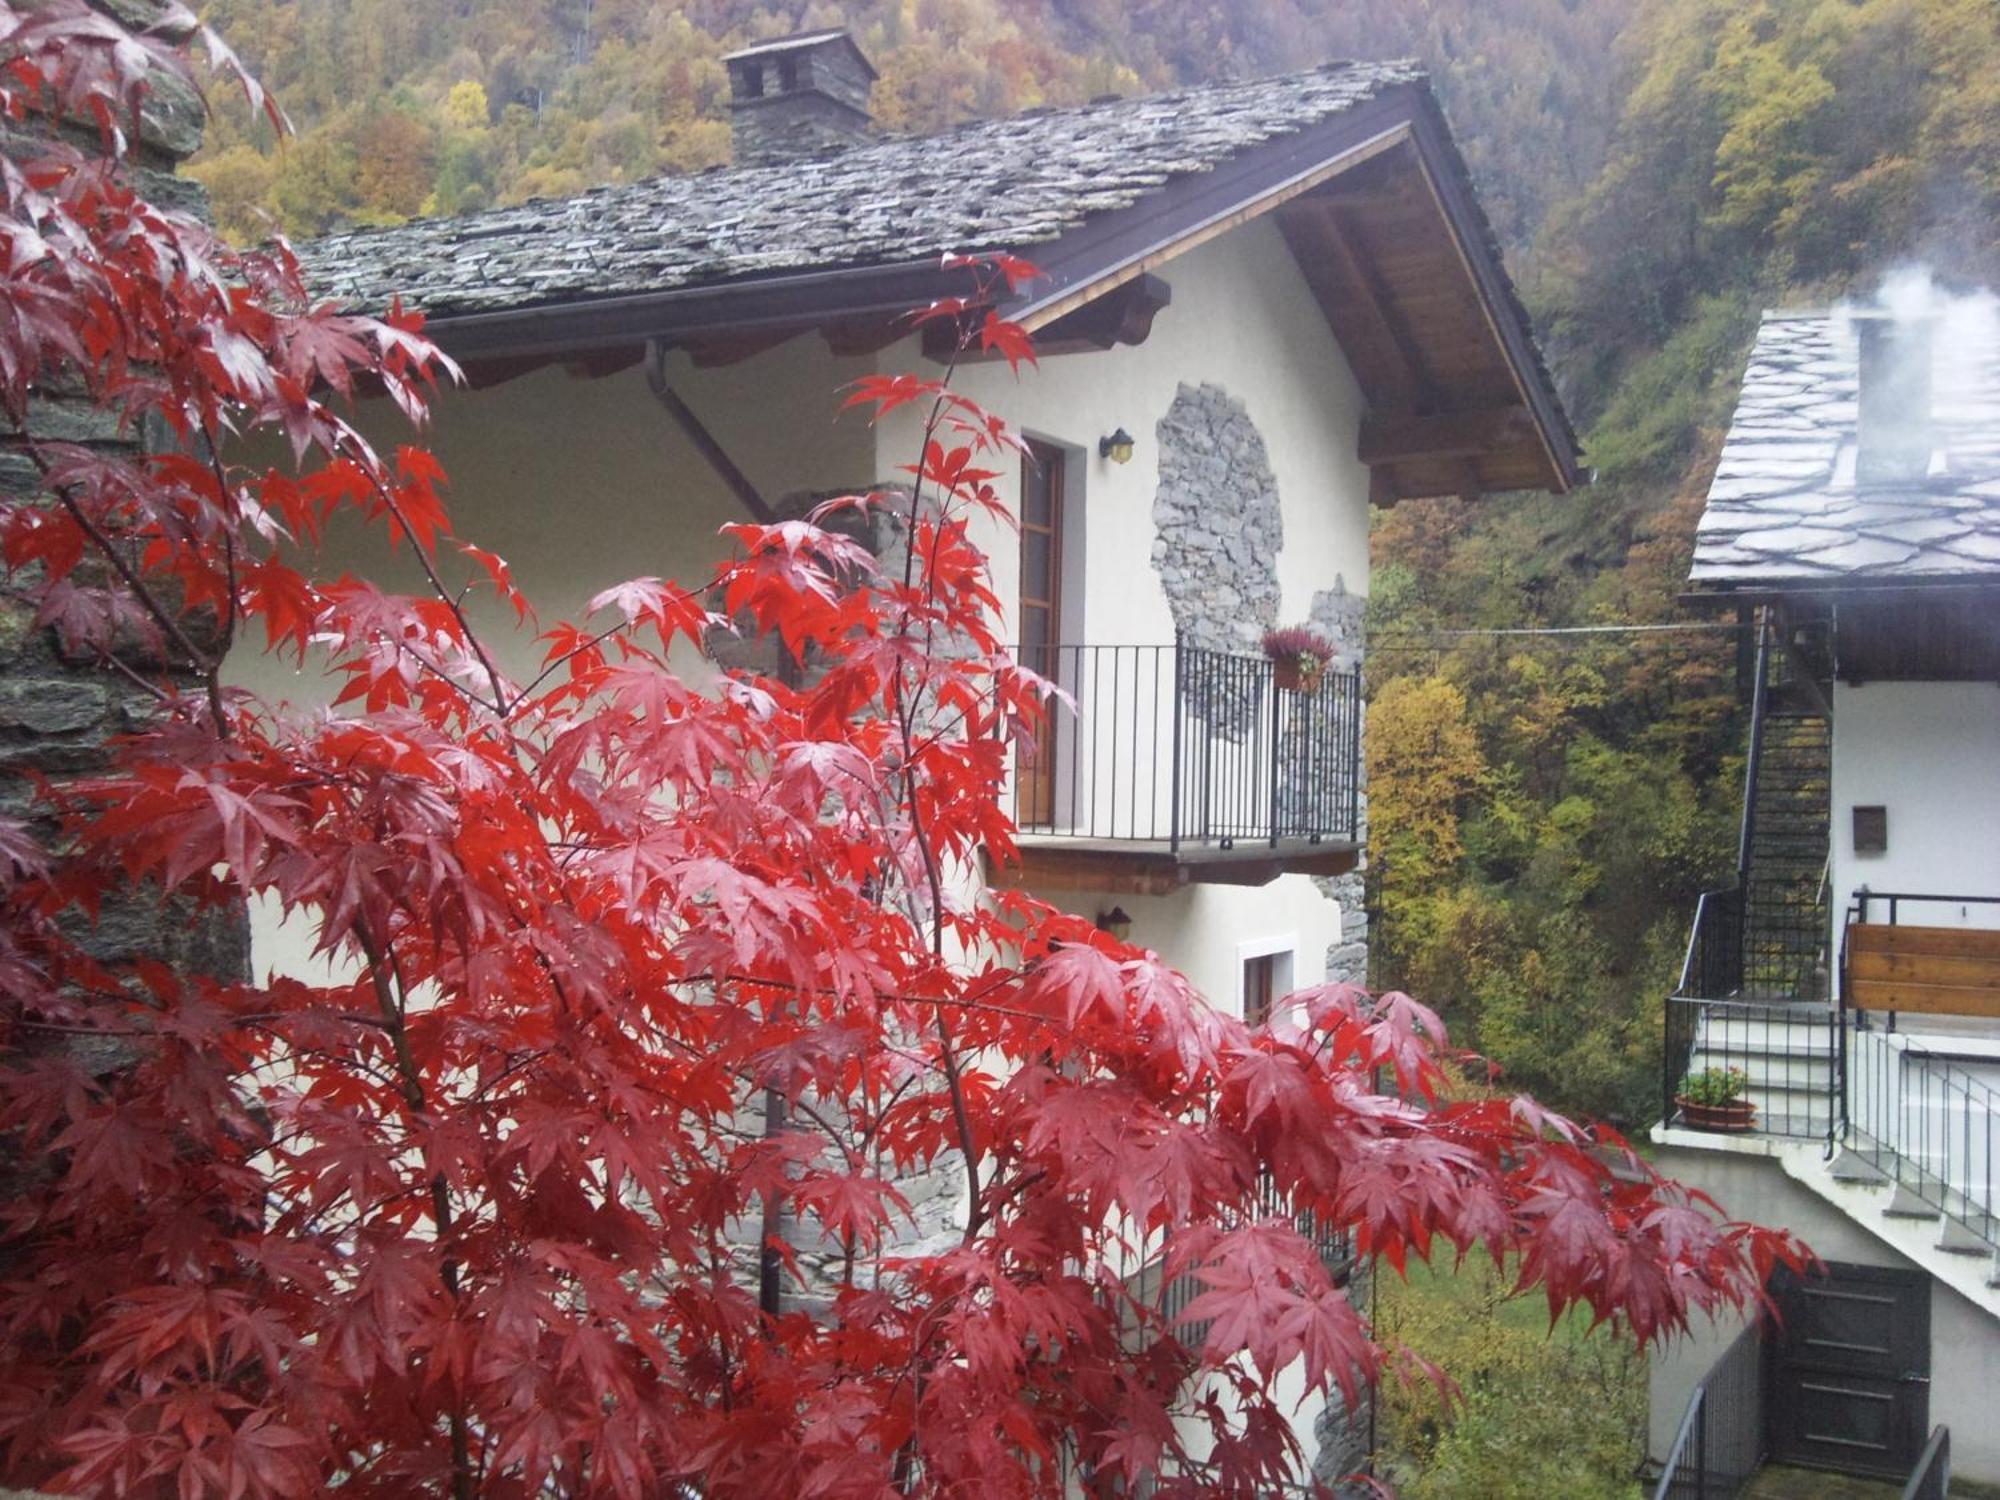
1118 447
1117 923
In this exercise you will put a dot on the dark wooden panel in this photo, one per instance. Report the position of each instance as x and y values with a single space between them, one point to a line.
1898 937
1851 1376
1978 971
1923 999
1932 971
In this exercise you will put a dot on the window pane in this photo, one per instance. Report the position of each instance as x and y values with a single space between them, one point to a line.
1035 490
1037 566
1035 638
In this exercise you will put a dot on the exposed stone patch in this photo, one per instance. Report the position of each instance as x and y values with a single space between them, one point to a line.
1341 1434
1338 615
1217 523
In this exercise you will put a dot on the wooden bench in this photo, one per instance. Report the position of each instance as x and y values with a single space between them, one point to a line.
1936 971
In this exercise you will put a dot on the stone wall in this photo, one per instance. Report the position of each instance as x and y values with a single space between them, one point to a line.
58 712
1217 523
1343 1436
1338 615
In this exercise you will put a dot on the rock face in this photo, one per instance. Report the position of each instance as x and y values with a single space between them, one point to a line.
1217 524
58 713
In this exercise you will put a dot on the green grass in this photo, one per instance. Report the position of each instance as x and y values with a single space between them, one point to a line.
1544 1413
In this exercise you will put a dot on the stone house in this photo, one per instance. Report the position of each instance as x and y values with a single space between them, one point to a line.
1849 977
1265 306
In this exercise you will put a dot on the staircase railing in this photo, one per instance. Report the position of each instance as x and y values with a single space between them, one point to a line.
1721 1438
1931 1478
1746 836
1926 1124
1923 1120
1788 1059
1333 1245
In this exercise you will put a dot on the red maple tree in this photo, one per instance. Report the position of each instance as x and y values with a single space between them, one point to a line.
469 1218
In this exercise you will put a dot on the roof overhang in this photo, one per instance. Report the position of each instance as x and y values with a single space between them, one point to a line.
1376 206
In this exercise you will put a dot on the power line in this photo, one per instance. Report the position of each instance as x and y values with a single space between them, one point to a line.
1431 641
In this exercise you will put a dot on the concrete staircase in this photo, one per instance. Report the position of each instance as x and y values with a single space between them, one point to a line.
1787 1054
1966 1263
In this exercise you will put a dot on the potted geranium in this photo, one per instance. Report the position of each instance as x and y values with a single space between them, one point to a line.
1713 1100
1299 657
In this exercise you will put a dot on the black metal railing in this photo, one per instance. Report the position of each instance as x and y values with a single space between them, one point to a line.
1333 1245
1931 1478
1713 966
1788 1056
1866 902
1925 1123
1721 1438
1922 1119
1184 746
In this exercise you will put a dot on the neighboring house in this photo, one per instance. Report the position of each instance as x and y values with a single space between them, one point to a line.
1278 300
1852 972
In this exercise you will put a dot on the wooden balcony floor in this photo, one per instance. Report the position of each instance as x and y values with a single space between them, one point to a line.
1153 867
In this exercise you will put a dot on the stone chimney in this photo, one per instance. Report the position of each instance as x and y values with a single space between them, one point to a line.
798 96
1894 433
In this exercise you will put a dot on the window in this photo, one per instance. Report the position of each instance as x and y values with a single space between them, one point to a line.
1260 983
1266 978
788 75
753 80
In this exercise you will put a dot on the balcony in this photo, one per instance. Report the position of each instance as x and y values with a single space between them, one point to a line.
1179 765
1916 1112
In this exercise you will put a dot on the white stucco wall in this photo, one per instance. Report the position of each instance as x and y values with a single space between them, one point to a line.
1965 1341
1929 752
579 484
1243 319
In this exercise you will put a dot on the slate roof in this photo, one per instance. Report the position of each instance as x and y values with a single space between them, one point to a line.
1784 509
1001 184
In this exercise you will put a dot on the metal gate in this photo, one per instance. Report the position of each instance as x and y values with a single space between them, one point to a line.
1850 1387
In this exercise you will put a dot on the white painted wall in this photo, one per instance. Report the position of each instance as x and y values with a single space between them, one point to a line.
581 484
1241 318
1965 1341
1930 753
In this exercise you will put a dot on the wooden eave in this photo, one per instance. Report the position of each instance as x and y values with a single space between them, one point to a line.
1931 629
1374 204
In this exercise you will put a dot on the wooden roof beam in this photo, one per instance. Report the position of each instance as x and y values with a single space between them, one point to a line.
1321 239
1123 315
1399 437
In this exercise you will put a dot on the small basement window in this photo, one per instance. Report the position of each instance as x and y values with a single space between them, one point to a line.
1267 979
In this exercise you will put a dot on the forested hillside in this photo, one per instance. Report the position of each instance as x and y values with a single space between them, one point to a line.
1545 808
407 107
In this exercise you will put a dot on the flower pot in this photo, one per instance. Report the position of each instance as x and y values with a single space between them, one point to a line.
1737 1114
1293 678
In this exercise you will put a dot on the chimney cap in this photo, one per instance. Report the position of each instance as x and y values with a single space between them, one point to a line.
801 41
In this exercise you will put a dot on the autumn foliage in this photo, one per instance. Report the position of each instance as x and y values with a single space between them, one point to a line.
467 1212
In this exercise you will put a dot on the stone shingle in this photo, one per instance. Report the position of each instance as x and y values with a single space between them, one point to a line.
1784 505
1002 184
